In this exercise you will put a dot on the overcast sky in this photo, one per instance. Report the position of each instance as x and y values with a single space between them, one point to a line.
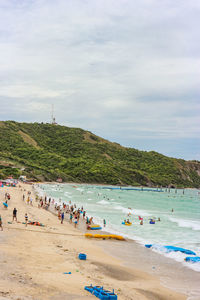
127 70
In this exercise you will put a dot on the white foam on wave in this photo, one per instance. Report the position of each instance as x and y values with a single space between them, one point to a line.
177 256
193 266
195 225
67 193
68 196
55 190
132 211
103 202
123 209
80 189
89 192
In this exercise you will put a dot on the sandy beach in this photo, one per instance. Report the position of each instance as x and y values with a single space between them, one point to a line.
33 260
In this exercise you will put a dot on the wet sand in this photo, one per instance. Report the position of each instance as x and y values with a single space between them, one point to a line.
33 260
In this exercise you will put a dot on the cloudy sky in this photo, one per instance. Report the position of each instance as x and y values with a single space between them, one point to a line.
127 70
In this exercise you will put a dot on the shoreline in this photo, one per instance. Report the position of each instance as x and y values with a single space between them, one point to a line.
33 263
154 263
114 185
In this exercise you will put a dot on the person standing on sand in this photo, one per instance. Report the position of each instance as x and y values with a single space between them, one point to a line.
62 217
1 226
104 223
75 221
70 219
15 214
26 219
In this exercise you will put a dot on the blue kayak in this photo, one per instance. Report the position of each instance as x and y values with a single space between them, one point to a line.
5 204
193 259
95 228
171 249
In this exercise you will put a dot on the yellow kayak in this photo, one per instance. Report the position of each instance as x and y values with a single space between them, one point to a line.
127 224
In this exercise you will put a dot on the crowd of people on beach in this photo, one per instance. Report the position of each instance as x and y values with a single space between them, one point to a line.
62 210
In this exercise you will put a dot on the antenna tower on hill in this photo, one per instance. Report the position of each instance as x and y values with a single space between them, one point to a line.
53 119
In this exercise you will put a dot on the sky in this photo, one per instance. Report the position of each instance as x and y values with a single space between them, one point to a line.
126 70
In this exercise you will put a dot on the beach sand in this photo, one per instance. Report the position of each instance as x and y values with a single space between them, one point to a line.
33 260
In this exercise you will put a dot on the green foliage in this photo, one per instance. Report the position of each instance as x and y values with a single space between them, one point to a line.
46 152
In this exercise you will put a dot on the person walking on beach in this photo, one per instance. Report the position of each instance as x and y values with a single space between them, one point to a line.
26 219
15 214
104 223
1 226
70 218
75 221
62 217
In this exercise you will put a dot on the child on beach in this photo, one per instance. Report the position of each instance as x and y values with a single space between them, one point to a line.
1 226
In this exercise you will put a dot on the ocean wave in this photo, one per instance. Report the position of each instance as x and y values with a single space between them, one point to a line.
68 196
132 211
67 193
177 256
103 202
195 225
80 189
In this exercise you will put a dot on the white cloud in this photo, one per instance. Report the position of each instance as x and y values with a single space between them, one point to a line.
124 66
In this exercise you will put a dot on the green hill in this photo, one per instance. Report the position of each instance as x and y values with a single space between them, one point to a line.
46 152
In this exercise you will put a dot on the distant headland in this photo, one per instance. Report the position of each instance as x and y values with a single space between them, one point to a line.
49 152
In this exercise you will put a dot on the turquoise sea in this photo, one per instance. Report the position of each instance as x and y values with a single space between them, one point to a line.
179 228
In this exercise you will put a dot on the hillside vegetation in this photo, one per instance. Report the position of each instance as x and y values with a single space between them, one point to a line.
46 152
